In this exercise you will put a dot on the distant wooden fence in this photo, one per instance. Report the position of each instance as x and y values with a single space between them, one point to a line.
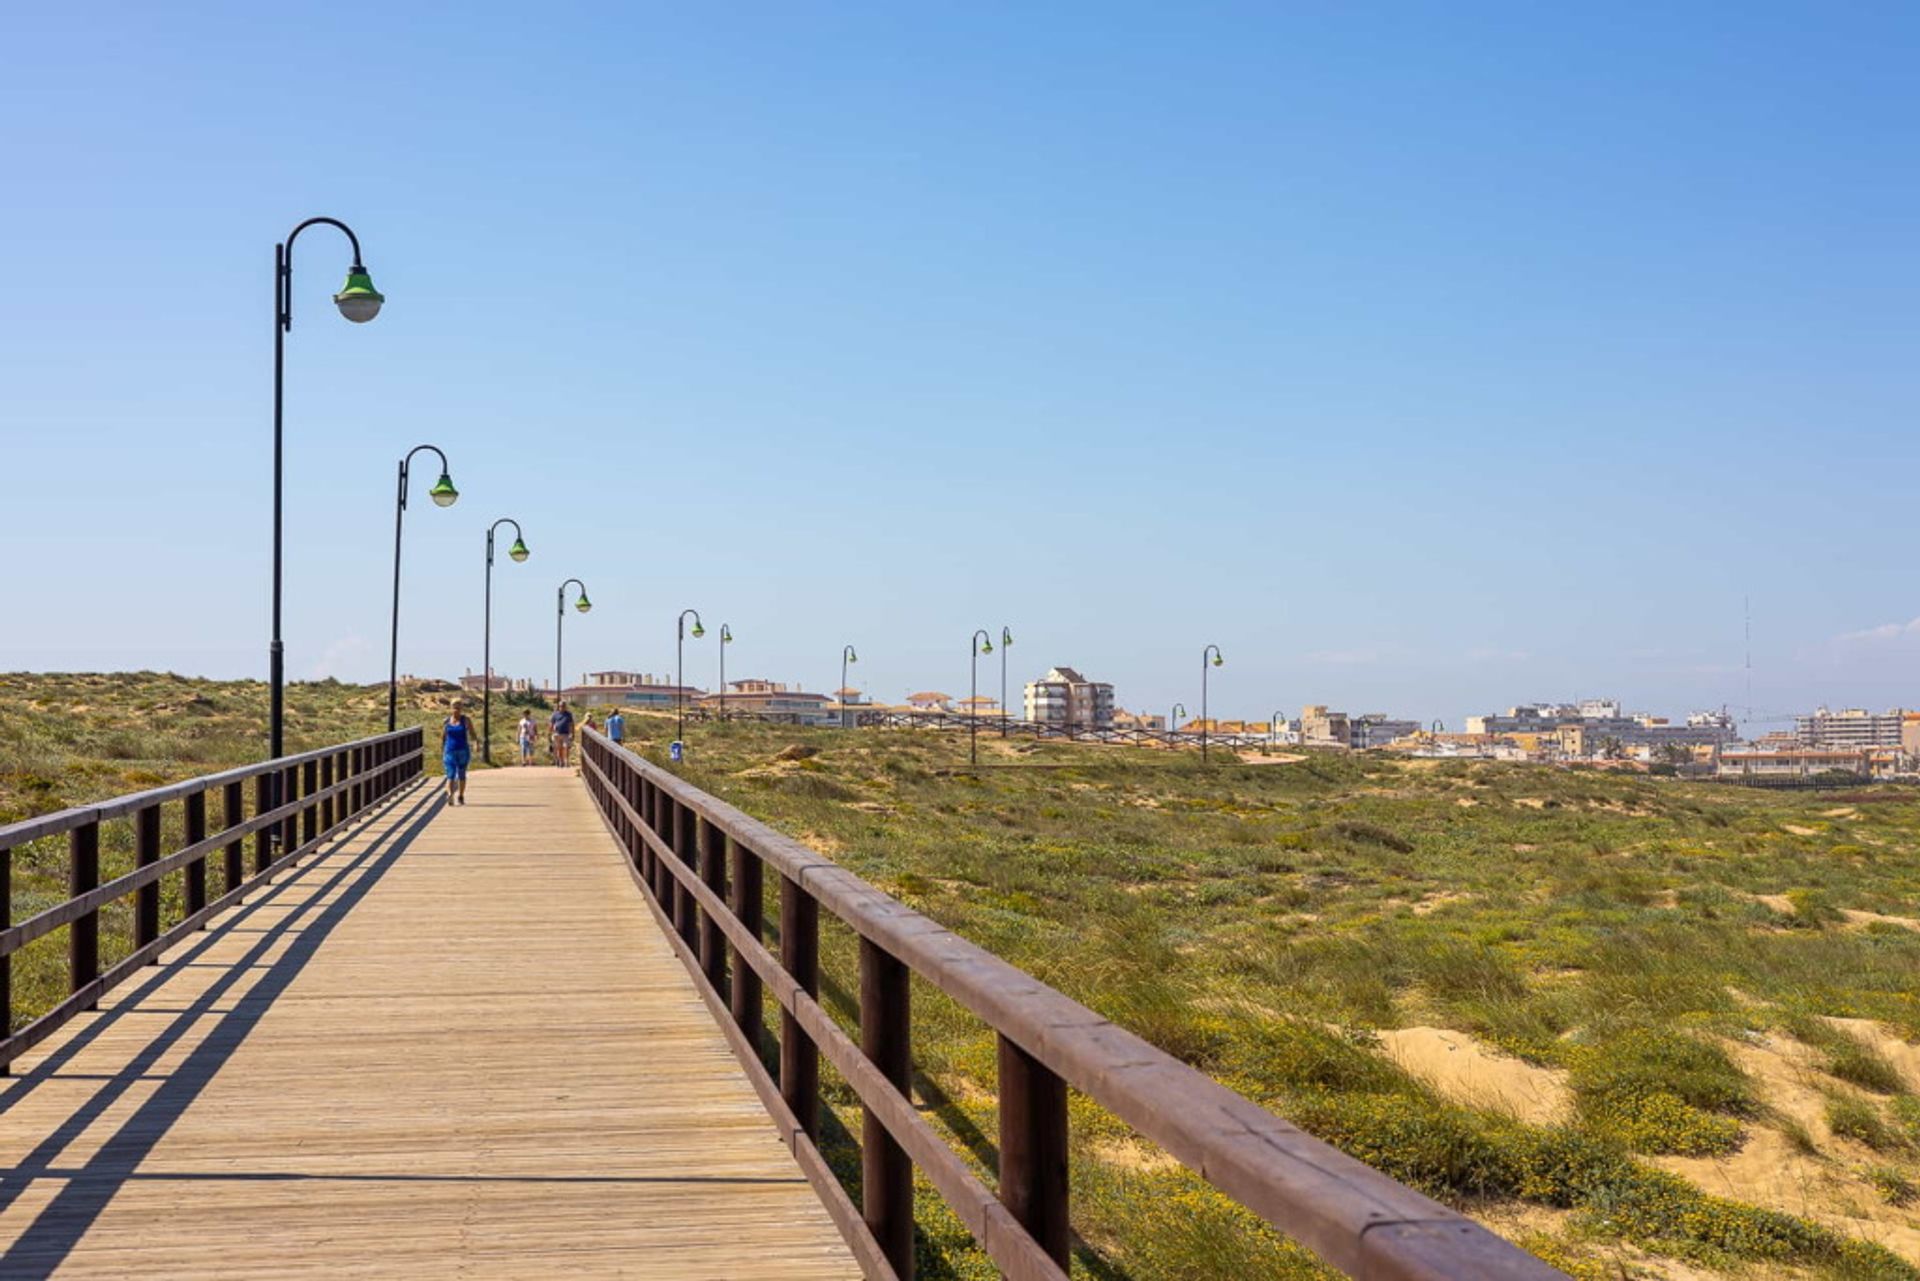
702 863
1131 736
298 802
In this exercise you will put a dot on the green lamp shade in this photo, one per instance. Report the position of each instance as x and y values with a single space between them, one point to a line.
986 646
1006 637
1219 661
583 604
359 301
852 657
519 550
726 634
698 631
443 493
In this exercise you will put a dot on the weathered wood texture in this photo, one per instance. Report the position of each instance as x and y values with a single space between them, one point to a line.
453 1042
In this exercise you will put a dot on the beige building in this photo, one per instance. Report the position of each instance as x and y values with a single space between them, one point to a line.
1064 697
1320 727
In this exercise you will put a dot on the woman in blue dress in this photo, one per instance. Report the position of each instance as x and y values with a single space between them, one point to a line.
456 749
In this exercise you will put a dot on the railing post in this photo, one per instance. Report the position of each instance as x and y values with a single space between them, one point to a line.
749 908
262 839
234 810
326 781
1033 1148
310 816
83 936
146 852
886 1174
290 825
713 871
685 834
6 961
195 832
800 957
356 760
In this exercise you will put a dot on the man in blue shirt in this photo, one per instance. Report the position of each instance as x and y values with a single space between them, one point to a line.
561 722
617 726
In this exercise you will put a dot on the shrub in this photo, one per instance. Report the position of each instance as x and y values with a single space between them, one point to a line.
1895 1188
1861 1065
1362 833
1860 1120
1658 1092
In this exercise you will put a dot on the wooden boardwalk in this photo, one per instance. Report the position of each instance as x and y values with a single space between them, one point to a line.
455 1043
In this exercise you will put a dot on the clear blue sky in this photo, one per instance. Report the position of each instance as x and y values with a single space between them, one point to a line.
1426 357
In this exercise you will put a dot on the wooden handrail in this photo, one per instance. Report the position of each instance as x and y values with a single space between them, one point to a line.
1359 1220
320 792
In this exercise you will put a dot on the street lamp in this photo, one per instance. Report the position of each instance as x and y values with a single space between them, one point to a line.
1006 643
1209 657
559 617
982 643
1273 730
846 656
726 639
518 552
679 667
444 495
1173 723
358 302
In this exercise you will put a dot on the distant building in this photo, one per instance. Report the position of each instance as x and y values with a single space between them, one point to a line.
930 701
1064 697
1320 727
1851 727
979 705
1376 729
772 701
631 689
1793 763
472 682
1124 719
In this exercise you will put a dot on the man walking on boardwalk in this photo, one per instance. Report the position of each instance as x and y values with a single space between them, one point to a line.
561 722
616 727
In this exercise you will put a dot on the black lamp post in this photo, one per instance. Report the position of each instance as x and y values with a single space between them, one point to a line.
359 303
1006 643
444 495
1273 731
982 643
846 656
1173 723
680 667
559 617
1209 657
518 552
726 639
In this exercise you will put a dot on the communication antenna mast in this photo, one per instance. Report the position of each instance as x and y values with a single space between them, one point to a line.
1749 608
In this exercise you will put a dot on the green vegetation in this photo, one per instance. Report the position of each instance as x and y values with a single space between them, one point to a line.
1632 940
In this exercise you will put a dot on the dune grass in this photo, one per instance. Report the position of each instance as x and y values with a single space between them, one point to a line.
1266 923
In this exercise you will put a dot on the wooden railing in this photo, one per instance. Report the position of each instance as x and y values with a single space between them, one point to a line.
702 864
298 802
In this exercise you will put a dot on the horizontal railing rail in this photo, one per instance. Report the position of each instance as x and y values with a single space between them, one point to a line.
702 863
298 802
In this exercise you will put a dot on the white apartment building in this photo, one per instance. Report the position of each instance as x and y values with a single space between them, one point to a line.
1064 697
1850 727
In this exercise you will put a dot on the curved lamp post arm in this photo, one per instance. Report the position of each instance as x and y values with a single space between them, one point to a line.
406 470
518 535
1209 657
284 292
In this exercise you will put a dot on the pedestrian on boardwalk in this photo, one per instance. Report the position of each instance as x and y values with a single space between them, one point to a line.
526 738
616 727
561 722
456 751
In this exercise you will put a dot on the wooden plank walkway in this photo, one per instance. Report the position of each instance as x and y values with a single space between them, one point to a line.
455 1043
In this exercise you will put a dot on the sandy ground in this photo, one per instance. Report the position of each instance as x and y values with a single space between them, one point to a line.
1471 1072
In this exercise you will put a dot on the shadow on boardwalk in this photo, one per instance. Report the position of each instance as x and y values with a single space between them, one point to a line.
57 1229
